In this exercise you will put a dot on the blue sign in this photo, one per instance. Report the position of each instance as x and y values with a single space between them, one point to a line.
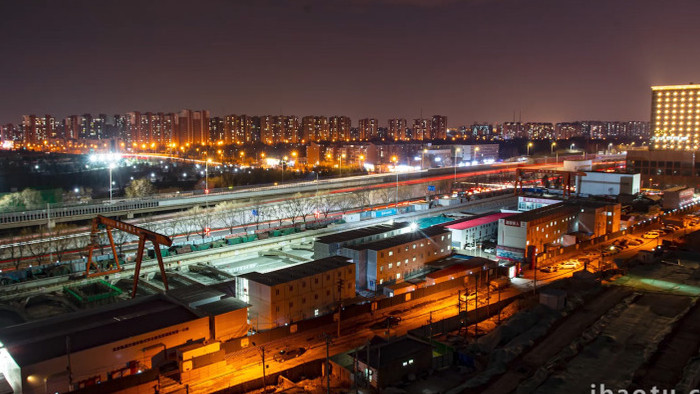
431 188
385 212
255 212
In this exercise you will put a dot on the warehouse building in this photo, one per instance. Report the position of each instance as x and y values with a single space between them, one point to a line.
85 348
534 229
468 232
329 245
296 293
392 259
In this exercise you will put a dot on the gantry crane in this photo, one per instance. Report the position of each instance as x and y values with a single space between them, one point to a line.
100 223
566 175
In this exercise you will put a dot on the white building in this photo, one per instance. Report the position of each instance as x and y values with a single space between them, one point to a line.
468 232
607 183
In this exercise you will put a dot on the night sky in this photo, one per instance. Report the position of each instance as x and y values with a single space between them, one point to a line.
478 60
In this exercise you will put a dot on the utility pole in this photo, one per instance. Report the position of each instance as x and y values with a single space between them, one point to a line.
262 348
340 302
476 307
430 324
70 368
328 364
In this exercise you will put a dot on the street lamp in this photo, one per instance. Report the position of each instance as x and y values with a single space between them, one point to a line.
396 170
476 150
529 145
362 159
340 166
111 167
422 157
551 150
455 163
206 176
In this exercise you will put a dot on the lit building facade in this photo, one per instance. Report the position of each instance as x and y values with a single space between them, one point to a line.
368 129
397 129
675 117
391 260
296 293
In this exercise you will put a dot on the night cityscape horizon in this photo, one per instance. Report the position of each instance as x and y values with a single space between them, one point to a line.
350 196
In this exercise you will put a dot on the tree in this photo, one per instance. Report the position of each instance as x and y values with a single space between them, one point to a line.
184 224
299 206
201 218
139 188
62 240
225 211
38 248
383 195
363 198
27 199
344 203
326 205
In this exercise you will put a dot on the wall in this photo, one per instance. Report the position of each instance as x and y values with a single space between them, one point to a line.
100 360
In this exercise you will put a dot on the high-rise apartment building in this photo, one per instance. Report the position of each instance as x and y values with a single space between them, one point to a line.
368 129
539 131
421 129
314 128
675 117
397 129
339 128
438 127
216 129
192 127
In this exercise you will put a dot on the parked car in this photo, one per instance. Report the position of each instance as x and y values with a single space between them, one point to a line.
651 235
635 242
288 354
571 264
490 250
549 269
468 297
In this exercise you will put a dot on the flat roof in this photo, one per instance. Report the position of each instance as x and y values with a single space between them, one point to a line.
675 189
303 270
361 232
385 353
542 211
33 342
401 239
221 306
467 223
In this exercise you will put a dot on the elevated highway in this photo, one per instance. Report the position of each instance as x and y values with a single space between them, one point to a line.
181 201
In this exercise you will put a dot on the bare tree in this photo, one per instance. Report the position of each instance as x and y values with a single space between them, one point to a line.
184 224
383 195
326 205
260 213
226 212
201 219
120 238
299 206
363 198
62 240
244 217
344 203
38 249
279 212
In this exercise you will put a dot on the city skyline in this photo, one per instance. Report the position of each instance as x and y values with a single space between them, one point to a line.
483 61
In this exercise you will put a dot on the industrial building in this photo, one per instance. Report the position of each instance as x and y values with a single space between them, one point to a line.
534 229
597 183
390 260
597 218
677 197
84 348
329 245
468 232
387 363
296 293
